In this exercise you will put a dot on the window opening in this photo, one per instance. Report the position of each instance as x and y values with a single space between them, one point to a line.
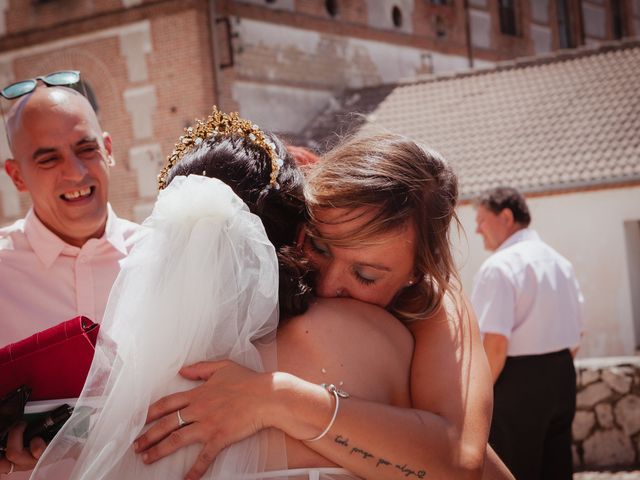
564 24
396 16
617 27
508 24
332 7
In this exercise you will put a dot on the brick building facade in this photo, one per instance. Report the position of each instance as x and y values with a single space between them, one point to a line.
154 65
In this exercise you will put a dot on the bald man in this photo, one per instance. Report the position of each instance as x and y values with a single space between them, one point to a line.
61 260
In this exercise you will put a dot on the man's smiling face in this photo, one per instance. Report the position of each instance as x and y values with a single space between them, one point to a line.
62 158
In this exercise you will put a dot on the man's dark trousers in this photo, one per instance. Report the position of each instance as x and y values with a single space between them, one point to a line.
534 406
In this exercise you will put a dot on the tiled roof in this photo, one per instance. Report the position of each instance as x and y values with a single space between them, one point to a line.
563 121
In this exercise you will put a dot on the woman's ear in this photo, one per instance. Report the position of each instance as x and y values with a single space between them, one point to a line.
412 281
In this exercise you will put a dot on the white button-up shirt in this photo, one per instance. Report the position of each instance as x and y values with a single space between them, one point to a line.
44 281
528 292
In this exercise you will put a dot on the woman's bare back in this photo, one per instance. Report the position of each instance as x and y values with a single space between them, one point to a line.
358 347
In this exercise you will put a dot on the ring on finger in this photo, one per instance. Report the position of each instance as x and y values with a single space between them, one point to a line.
181 422
11 468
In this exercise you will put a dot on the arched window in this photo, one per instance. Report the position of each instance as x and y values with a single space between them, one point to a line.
332 7
396 16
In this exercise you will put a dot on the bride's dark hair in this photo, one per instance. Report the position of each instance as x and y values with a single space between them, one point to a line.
246 168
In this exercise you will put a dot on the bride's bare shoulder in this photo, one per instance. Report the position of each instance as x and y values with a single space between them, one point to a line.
338 339
328 318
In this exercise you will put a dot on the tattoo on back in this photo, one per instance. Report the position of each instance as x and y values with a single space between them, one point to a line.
405 469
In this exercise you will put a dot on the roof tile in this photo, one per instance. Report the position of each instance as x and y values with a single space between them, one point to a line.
542 123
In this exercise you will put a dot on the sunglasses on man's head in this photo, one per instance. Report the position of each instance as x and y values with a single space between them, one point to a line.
63 78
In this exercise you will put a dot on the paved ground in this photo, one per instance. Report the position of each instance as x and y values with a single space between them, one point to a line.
607 475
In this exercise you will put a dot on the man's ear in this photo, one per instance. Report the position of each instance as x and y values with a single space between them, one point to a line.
108 146
13 170
506 215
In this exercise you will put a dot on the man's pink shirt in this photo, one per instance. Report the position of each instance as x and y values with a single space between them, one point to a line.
44 281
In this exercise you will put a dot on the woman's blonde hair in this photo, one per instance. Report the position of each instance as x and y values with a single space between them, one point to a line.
399 182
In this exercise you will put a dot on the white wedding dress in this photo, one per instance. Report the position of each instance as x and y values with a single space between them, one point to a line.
202 283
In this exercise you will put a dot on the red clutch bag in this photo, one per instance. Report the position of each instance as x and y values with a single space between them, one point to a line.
54 363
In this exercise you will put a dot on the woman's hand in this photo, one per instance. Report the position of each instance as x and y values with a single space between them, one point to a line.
226 408
18 458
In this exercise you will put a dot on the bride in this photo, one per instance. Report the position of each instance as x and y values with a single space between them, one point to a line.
201 284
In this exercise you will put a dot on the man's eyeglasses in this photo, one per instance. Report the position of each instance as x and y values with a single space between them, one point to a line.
64 78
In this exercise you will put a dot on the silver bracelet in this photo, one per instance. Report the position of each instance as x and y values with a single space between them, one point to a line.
337 393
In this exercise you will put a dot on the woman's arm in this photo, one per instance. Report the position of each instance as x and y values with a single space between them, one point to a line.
476 382
445 438
496 347
445 434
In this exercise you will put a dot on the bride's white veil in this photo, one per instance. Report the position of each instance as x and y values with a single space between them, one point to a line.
201 284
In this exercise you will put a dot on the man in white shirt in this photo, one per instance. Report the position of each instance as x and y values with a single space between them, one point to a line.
529 307
61 260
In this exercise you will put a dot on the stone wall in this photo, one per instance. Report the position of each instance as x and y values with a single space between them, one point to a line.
606 428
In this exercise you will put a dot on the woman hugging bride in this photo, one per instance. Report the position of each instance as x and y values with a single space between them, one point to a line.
220 262
206 282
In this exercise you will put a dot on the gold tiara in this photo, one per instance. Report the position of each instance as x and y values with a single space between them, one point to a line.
222 125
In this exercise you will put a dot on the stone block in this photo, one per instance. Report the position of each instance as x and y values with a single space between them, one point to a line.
607 362
589 376
594 21
540 11
628 370
592 394
627 413
141 104
608 448
135 45
604 413
582 424
617 379
480 23
542 38
147 160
